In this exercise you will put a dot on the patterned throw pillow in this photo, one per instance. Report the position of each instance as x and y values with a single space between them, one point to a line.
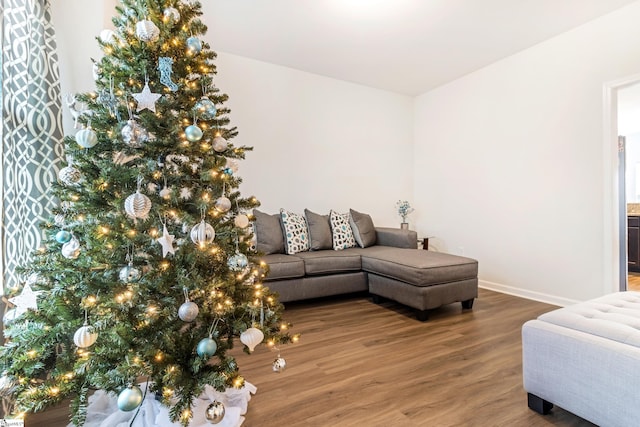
296 232
341 231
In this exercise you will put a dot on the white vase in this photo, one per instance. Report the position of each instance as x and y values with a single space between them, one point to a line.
404 226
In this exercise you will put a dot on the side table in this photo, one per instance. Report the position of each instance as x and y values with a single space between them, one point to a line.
425 242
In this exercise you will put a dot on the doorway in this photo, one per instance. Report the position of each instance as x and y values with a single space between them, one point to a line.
628 126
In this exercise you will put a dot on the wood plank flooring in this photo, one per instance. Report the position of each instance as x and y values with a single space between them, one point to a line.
633 281
362 364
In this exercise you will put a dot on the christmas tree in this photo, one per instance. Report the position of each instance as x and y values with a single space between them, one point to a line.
147 272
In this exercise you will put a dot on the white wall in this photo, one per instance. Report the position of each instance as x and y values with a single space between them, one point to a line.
319 143
509 161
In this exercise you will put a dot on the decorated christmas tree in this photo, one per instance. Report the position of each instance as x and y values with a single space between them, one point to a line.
147 273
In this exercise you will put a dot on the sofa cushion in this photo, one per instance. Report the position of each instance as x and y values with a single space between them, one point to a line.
328 262
363 230
283 266
319 231
268 233
295 232
341 231
416 266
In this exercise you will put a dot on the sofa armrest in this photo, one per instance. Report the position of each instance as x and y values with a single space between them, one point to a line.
396 237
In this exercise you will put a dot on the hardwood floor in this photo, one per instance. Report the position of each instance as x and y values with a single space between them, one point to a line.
362 364
633 281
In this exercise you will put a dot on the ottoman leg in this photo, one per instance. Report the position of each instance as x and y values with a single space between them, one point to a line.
538 404
377 299
422 315
467 304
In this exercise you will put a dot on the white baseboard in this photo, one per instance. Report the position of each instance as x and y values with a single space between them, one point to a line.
523 293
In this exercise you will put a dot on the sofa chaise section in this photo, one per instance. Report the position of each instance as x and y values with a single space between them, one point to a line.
419 279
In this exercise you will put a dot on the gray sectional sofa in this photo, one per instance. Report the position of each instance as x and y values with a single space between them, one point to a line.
390 266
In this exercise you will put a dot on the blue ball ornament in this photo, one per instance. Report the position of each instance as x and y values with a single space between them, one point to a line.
228 171
129 398
63 236
207 347
193 133
194 45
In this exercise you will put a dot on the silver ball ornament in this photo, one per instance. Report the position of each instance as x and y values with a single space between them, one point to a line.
207 347
237 262
202 233
171 14
7 385
205 109
69 175
133 134
215 412
223 204
193 133
59 220
219 144
279 364
147 31
137 205
129 274
188 311
71 249
129 398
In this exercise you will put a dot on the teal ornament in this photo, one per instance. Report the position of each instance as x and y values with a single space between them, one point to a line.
228 171
205 109
207 347
63 236
194 45
86 138
193 133
129 398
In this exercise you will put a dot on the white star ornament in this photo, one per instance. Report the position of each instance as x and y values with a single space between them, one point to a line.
167 243
26 300
146 99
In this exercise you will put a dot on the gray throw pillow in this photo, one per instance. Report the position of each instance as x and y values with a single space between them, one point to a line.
319 231
269 233
363 230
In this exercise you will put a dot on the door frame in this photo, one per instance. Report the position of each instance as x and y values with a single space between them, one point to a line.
615 215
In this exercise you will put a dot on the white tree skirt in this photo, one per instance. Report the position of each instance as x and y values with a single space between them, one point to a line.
102 410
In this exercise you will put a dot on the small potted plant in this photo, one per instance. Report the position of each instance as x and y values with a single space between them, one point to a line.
404 209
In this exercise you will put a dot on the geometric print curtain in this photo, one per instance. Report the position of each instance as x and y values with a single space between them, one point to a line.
32 150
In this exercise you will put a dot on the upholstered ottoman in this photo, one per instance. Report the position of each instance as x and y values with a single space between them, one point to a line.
420 279
586 359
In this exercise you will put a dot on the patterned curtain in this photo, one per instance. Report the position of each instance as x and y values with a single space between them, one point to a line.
32 150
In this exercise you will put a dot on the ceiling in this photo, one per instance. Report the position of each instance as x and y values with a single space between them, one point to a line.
404 46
